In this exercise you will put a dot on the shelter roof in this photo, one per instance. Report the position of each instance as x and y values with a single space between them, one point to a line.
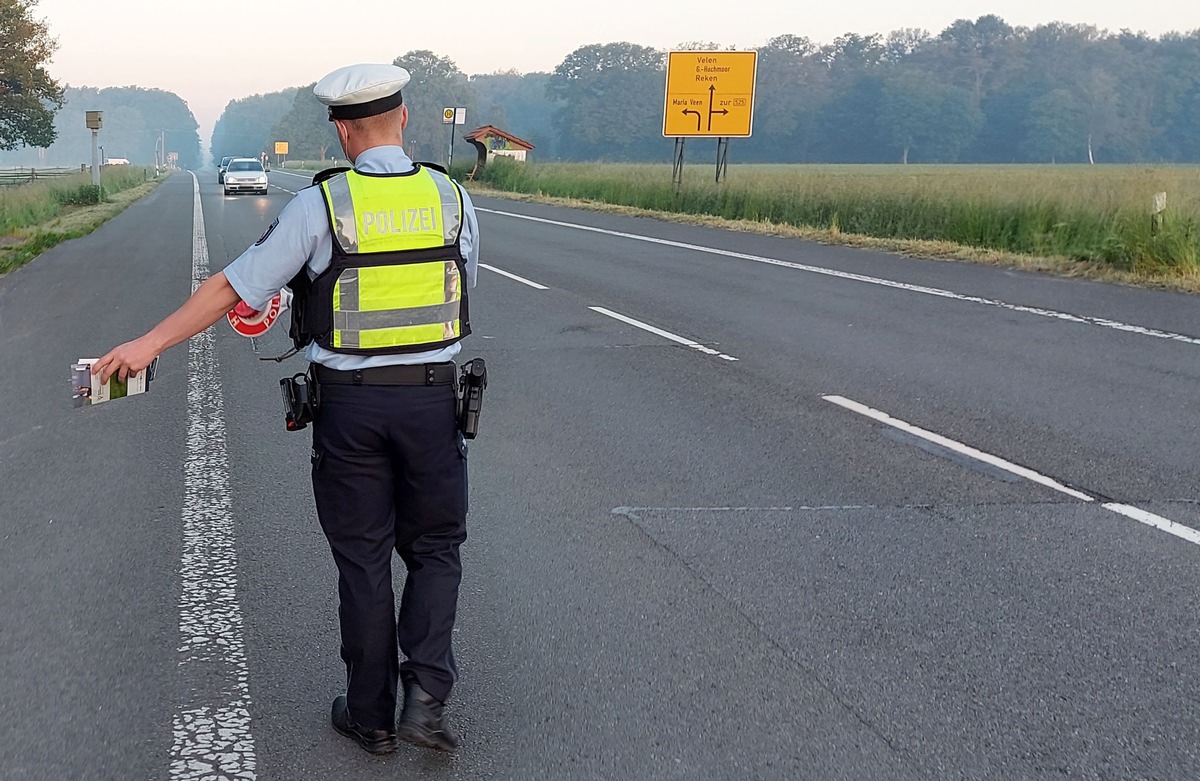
492 130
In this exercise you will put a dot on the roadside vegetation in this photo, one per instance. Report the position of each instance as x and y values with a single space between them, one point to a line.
1090 214
35 217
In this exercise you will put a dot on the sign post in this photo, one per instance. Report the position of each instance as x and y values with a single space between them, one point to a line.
453 115
93 120
709 95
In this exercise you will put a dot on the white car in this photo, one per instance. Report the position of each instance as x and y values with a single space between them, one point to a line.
245 174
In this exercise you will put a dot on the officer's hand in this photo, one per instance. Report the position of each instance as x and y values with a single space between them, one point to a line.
127 359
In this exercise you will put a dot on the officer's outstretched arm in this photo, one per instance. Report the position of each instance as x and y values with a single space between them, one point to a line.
211 301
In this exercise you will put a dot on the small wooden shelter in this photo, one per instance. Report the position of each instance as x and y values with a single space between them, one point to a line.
490 141
496 142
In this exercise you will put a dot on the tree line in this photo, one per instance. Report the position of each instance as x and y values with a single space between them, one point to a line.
136 121
978 91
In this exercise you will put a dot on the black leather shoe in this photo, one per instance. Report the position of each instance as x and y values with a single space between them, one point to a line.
423 721
376 741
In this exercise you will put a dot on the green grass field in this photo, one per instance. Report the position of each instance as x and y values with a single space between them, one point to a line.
1088 213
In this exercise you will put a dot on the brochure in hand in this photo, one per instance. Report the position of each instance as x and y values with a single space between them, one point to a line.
86 388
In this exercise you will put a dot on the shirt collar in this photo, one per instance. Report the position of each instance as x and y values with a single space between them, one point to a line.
383 160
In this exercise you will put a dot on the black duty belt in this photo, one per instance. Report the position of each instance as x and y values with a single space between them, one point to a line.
415 374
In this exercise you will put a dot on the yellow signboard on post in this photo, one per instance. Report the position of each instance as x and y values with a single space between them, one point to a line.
710 94
281 147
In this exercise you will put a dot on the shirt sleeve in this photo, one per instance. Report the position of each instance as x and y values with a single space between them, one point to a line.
469 240
288 244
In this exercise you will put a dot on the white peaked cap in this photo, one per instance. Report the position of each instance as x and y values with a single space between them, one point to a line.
358 91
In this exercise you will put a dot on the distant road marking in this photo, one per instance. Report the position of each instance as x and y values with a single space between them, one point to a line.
212 736
930 291
289 173
510 275
1139 515
307 176
664 334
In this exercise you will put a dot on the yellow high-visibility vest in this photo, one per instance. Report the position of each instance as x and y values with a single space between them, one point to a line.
396 281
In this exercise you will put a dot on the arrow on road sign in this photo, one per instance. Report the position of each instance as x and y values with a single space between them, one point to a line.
712 93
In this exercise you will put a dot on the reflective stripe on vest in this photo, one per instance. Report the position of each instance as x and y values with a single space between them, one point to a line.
403 303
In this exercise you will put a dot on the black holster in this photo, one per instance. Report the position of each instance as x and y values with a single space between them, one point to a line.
471 383
299 400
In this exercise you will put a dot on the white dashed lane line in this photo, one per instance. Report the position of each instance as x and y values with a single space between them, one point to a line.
664 334
512 276
1137 514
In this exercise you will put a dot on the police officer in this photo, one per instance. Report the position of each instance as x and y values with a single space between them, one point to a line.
379 259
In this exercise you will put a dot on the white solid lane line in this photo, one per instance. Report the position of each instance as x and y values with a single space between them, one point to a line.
929 291
664 334
1157 521
1139 515
510 275
307 176
212 737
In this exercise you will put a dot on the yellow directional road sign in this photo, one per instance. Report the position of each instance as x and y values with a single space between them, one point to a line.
710 94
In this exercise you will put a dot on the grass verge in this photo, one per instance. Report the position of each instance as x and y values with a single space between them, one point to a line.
1088 222
36 221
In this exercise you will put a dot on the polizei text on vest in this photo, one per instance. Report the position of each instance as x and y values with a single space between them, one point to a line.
402 221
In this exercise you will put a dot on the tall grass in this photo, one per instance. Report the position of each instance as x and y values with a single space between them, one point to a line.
36 203
1094 213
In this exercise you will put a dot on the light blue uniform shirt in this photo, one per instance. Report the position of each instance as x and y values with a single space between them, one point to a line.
301 238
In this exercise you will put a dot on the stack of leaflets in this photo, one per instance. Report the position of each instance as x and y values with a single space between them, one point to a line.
86 388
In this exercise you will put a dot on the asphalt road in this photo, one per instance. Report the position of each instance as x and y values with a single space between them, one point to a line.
742 507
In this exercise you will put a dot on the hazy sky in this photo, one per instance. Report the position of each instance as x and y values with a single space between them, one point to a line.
214 51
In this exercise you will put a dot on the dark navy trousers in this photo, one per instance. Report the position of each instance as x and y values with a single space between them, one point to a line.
389 473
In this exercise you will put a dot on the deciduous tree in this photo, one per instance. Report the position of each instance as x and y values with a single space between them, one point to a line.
247 126
28 96
612 102
917 112
436 83
306 128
